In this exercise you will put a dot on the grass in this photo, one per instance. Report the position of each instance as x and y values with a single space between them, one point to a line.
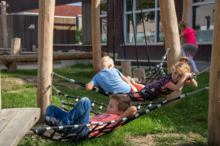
188 115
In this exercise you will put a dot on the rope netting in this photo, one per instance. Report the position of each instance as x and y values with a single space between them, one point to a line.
63 133
152 76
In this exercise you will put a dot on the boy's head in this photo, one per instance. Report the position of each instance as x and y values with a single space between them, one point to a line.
106 62
118 104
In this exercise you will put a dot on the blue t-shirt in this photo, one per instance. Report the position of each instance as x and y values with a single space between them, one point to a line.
110 80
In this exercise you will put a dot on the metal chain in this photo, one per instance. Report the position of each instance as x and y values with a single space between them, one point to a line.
164 57
194 92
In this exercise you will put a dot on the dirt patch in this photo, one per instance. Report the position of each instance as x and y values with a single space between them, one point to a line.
151 139
21 81
69 85
16 91
9 82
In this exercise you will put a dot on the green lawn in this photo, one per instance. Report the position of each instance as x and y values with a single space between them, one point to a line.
188 117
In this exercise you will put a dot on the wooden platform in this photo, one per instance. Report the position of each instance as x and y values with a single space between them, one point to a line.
15 123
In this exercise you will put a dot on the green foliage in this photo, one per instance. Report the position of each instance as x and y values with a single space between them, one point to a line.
147 16
78 35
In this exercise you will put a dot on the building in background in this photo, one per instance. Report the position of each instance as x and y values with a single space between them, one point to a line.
119 24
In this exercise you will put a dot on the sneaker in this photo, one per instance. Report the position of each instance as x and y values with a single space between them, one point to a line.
129 78
51 121
197 72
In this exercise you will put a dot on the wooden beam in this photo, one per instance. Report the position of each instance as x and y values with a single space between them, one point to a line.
15 48
4 24
9 49
7 5
86 22
171 35
214 84
34 58
15 123
96 39
126 68
0 91
45 54
187 10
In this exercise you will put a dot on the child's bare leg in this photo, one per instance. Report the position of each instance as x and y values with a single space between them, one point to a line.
133 88
138 86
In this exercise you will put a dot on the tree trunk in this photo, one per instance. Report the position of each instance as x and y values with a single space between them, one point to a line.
4 24
45 54
96 39
214 84
187 10
171 34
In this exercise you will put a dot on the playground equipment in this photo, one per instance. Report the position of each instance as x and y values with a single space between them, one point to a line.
168 15
99 129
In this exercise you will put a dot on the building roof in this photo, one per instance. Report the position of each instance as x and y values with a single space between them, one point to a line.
64 10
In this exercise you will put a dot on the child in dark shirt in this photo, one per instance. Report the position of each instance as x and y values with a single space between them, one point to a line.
172 82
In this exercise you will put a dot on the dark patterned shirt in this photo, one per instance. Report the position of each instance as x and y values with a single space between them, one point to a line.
162 82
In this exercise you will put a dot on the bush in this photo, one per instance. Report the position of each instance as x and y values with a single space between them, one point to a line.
78 35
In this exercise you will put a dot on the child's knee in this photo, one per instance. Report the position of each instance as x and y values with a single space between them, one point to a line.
86 101
50 107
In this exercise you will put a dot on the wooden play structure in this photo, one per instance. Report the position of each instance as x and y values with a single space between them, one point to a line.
214 92
21 120
171 34
15 122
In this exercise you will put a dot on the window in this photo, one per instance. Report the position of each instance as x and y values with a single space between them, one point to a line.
203 19
103 21
133 22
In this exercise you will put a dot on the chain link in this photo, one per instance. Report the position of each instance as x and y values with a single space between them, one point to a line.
194 92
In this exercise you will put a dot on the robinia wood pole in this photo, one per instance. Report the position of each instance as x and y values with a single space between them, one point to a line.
4 24
15 48
171 34
96 39
187 10
0 91
214 84
45 54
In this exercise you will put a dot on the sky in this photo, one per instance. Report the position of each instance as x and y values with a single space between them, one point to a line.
76 4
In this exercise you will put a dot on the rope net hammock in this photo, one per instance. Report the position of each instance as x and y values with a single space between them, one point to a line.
98 129
151 76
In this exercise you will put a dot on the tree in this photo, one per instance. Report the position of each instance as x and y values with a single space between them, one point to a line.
78 35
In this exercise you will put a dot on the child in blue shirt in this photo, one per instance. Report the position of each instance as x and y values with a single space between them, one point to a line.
109 78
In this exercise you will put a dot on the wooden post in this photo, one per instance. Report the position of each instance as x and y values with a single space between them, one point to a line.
45 54
4 24
126 68
171 34
34 48
214 84
0 91
187 10
139 73
96 39
15 48
86 22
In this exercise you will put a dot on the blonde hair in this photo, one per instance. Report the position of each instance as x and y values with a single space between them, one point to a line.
183 23
182 66
106 61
